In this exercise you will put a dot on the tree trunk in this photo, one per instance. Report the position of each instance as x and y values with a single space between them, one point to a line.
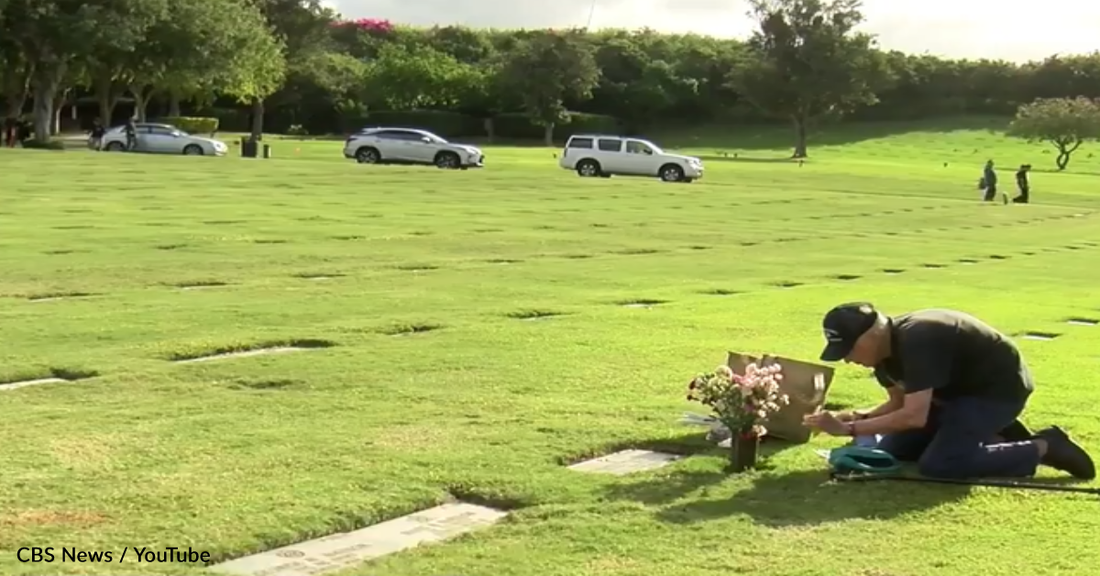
490 129
548 135
107 104
174 104
799 137
107 98
257 119
46 80
1064 152
58 105
141 102
16 86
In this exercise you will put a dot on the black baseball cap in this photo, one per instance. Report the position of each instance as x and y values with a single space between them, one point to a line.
843 325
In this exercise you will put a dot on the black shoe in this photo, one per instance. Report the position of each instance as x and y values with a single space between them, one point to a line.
1065 455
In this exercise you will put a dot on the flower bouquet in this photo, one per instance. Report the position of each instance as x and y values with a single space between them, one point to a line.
742 403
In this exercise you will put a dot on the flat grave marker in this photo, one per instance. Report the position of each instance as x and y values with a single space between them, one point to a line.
24 383
625 462
348 549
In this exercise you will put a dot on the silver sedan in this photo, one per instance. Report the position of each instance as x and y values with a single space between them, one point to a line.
163 139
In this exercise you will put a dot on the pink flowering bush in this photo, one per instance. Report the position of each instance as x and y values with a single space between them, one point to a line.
741 402
374 25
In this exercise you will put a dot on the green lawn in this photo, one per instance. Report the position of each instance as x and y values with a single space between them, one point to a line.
241 455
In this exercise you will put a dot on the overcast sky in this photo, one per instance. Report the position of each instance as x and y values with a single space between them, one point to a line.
1013 30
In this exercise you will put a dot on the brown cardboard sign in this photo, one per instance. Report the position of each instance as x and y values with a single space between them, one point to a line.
798 384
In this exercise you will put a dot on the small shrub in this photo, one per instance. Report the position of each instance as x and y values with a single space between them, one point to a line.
194 125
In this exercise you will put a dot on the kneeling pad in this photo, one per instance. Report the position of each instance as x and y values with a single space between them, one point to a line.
852 459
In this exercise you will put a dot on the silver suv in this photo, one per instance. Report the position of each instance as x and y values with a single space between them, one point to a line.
410 146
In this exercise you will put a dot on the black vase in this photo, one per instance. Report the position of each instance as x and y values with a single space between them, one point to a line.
744 449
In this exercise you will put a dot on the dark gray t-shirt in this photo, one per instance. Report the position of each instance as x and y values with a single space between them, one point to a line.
954 354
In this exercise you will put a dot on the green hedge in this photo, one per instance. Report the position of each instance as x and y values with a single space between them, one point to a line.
193 125
517 125
230 119
443 123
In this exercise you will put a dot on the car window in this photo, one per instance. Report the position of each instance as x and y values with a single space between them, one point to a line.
160 130
635 147
585 143
398 135
610 145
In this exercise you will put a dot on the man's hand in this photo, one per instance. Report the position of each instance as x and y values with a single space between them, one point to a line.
846 416
827 422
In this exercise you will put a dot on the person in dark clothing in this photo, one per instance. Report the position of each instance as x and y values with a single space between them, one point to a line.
98 131
11 126
1023 185
989 182
131 135
956 387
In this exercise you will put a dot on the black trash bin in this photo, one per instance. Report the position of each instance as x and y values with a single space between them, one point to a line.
267 151
249 148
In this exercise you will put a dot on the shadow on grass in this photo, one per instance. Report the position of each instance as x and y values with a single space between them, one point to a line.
679 483
684 445
808 497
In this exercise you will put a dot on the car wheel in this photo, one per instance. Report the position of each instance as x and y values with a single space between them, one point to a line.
671 173
368 155
192 150
447 160
588 168
115 147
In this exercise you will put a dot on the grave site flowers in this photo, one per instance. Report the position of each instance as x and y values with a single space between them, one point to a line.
742 403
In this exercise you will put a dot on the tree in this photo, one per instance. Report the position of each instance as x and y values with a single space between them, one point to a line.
545 69
301 30
1064 122
15 71
342 81
257 72
806 63
54 35
404 78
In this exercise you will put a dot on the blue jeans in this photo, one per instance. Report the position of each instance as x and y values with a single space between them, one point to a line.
958 441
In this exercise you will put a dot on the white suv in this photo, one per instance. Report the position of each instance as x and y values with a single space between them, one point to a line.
597 155
410 146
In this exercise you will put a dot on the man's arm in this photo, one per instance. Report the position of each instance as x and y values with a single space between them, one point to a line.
892 404
912 414
927 358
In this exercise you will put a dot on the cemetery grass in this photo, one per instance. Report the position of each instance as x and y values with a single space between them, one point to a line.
469 339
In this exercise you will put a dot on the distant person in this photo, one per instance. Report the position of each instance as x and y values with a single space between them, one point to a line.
989 182
131 135
98 132
11 126
1023 184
